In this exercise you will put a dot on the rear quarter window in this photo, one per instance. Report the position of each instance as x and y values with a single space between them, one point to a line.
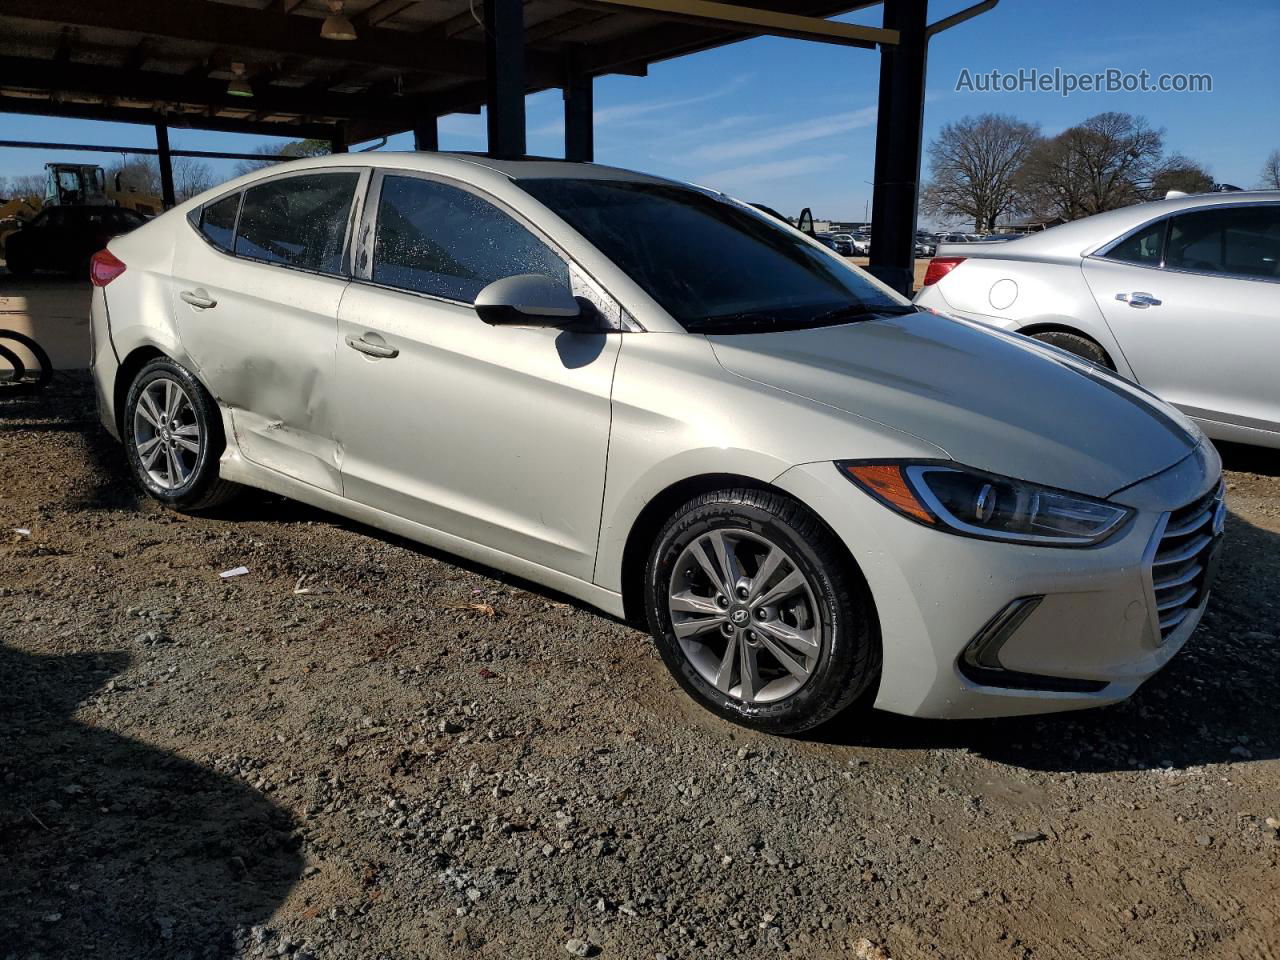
218 221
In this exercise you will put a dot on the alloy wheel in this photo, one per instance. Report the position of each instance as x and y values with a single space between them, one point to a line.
745 615
166 433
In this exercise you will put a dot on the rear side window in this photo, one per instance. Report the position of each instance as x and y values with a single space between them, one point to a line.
436 239
1145 247
297 221
1241 241
218 221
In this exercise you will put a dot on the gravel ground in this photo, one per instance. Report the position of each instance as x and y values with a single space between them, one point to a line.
362 748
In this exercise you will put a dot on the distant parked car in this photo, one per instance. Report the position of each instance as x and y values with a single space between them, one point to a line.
841 243
1181 296
925 246
63 238
954 238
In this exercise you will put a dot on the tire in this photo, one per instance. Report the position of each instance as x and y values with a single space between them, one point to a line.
18 264
1076 344
189 481
831 610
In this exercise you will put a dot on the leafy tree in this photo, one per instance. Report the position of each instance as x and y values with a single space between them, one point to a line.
1179 173
974 164
295 149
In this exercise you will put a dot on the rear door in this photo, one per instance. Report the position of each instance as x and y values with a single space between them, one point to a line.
256 296
495 435
1194 302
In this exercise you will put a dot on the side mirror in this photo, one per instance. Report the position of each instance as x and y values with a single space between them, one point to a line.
805 223
527 300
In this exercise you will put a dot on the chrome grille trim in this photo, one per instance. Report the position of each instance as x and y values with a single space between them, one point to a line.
1179 559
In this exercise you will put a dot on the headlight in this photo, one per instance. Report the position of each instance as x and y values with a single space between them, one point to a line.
976 504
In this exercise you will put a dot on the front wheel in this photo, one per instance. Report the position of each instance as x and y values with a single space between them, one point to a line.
758 613
173 437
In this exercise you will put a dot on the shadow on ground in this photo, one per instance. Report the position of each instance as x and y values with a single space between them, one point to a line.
1216 702
115 849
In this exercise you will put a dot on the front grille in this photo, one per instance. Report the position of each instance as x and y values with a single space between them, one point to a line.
1180 570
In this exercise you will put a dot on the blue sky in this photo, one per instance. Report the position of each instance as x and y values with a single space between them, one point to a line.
791 124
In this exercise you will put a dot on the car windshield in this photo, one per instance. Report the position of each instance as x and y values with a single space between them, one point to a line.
715 266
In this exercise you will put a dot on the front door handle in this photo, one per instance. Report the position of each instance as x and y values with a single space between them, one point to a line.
1139 300
372 349
199 297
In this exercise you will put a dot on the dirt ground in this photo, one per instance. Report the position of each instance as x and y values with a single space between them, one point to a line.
365 749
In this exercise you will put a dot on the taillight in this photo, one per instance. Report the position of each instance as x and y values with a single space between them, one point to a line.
104 266
939 267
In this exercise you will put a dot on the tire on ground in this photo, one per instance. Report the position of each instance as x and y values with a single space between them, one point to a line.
204 488
848 663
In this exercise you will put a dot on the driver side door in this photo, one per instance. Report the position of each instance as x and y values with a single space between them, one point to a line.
495 435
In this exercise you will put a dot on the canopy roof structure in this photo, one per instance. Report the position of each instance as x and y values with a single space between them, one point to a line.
292 68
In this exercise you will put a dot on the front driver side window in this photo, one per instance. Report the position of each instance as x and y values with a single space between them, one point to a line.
440 240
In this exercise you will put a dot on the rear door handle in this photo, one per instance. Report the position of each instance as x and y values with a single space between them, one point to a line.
199 297
1139 300
372 349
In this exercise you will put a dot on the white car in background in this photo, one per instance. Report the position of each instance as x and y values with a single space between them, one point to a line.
1181 296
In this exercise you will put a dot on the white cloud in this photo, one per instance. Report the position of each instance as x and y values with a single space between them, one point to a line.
771 170
780 138
624 113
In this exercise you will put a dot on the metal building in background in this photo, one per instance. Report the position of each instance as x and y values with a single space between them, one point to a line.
354 70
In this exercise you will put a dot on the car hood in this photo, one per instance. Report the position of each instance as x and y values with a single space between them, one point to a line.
992 400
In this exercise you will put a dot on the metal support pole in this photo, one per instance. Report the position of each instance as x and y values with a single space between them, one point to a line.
426 133
579 98
504 76
338 143
167 197
899 137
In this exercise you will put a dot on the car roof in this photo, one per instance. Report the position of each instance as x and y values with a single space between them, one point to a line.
475 168
1080 236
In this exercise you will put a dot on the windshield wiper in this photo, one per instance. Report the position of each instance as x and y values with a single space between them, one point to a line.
863 310
736 320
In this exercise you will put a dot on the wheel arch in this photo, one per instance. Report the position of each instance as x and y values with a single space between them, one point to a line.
649 522
1059 326
133 362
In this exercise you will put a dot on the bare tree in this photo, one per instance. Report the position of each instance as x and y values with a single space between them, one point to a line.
27 185
1109 161
1271 171
973 165
141 174
191 176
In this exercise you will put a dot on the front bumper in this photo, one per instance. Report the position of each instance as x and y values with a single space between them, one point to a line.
1093 627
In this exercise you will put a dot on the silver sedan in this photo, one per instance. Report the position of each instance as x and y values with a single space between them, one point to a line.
673 407
1181 296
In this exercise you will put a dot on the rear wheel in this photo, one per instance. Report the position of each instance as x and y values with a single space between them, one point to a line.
18 263
1076 344
757 612
173 436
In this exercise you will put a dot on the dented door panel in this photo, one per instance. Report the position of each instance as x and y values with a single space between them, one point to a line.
266 351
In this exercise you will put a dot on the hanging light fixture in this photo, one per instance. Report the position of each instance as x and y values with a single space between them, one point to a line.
239 85
336 26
